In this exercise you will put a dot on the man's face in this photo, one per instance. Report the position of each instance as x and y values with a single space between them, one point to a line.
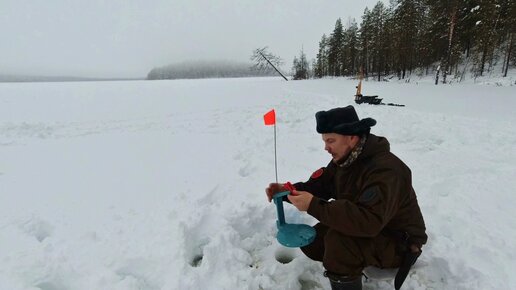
338 145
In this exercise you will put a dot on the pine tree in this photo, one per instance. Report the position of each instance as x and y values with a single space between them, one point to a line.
408 18
321 67
379 16
334 50
301 67
350 49
365 42
443 32
389 40
508 53
343 54
486 34
507 32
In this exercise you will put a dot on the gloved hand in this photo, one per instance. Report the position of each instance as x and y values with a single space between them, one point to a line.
273 189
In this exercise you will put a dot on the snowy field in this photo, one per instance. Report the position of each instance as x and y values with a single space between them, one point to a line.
160 184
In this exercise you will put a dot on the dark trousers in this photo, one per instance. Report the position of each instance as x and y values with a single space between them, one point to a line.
347 256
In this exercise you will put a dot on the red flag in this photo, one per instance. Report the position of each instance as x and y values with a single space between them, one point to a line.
270 118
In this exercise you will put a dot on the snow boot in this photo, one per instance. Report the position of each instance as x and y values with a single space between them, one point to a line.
338 282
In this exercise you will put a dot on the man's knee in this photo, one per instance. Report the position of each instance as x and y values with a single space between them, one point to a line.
313 253
343 254
315 250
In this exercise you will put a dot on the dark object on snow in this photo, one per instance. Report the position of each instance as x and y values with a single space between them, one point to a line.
373 100
391 104
359 98
408 260
409 257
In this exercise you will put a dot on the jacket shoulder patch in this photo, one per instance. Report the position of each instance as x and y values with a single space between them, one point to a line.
317 173
370 196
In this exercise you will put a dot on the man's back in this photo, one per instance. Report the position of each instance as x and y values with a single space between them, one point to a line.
380 166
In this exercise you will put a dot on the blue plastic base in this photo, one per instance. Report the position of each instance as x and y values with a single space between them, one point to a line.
295 235
291 235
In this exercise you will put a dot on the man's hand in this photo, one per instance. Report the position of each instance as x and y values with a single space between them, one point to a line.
273 189
300 199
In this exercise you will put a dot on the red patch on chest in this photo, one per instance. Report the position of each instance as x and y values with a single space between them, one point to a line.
317 173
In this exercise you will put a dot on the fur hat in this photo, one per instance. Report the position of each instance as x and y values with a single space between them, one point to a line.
343 121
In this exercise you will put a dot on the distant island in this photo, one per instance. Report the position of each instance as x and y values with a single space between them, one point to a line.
206 69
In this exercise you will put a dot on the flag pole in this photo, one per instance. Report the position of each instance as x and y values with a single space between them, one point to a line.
275 155
270 119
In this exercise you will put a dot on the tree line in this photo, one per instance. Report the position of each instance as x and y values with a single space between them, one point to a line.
449 36
205 69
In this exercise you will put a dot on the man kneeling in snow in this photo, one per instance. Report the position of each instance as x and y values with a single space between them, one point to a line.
364 200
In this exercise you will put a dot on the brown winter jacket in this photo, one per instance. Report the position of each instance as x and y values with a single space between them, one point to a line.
373 195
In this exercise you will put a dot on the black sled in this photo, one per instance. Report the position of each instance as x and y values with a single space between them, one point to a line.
373 100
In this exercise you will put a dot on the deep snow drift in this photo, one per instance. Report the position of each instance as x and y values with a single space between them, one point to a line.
160 185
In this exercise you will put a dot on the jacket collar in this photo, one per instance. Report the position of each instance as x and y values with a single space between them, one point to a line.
368 146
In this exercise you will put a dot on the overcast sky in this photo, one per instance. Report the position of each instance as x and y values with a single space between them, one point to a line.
127 38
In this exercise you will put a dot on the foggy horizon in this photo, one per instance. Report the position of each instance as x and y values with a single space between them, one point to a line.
127 39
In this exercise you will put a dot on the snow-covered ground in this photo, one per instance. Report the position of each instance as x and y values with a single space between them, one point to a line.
160 184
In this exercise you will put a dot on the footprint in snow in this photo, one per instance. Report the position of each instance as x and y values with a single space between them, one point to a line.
238 156
50 285
37 228
313 148
309 285
138 272
195 237
246 170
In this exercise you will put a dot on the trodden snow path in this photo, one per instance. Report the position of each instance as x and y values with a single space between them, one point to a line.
160 185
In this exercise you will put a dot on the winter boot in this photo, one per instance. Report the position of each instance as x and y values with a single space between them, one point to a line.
338 282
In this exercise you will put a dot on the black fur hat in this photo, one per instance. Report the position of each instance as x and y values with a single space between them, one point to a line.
343 121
